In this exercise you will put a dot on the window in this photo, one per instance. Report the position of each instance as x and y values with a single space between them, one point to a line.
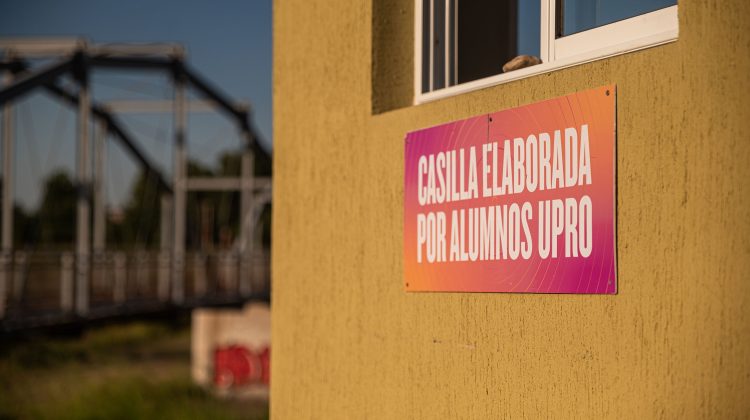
462 45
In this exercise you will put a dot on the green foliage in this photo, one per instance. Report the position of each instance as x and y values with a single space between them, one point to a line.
140 226
135 370
130 341
25 227
53 224
263 164
57 213
141 399
196 202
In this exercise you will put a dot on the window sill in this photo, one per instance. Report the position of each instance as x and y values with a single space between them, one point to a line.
581 48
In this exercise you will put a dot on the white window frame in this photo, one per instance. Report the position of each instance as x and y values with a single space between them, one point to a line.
636 33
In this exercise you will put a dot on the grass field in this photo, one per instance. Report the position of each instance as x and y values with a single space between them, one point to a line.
127 371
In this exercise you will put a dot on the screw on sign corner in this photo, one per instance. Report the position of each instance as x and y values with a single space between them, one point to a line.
607 92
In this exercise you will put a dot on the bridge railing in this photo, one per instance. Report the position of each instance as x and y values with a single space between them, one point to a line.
41 284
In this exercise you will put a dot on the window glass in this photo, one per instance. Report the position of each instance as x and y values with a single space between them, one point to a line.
466 40
582 15
438 50
528 28
491 33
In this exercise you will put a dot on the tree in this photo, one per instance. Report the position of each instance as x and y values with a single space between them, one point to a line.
25 227
57 213
140 225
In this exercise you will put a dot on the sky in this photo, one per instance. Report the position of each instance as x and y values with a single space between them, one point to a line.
227 41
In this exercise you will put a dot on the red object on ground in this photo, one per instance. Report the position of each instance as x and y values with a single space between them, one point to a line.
236 365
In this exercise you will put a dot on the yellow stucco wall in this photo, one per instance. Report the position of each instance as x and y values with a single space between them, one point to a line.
350 343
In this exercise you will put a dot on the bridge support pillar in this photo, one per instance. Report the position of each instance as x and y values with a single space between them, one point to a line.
83 239
6 254
67 272
120 262
180 190
100 209
165 247
99 258
200 276
247 227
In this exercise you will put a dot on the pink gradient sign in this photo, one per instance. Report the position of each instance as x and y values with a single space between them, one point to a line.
521 200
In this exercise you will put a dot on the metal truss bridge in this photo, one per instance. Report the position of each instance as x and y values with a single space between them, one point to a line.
90 281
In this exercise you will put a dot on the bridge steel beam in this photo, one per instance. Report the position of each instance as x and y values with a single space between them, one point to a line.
23 85
116 129
100 164
83 175
140 63
165 246
247 228
183 76
6 253
205 88
180 190
238 112
101 113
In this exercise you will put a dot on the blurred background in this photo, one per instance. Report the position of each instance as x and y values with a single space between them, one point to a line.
136 208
